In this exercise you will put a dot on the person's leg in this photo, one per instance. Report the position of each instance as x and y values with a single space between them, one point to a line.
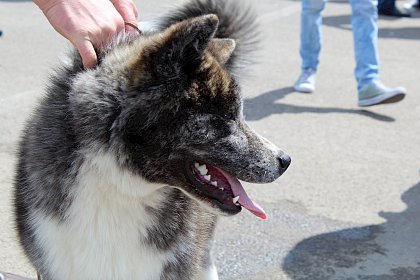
310 43
310 32
365 32
386 4
389 8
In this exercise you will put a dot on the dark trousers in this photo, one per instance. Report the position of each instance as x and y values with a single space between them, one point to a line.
386 4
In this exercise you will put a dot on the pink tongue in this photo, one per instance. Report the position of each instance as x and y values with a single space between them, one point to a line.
244 200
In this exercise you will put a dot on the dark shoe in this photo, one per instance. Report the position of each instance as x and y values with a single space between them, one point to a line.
395 12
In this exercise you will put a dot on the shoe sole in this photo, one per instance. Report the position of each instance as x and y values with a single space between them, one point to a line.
303 89
387 99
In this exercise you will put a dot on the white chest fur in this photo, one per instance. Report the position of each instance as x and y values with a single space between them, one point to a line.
101 237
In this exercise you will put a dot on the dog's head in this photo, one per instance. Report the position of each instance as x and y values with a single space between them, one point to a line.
172 113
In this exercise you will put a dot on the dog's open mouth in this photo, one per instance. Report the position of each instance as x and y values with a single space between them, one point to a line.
222 188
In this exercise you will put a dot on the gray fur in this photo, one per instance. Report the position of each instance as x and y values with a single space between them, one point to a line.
236 21
155 107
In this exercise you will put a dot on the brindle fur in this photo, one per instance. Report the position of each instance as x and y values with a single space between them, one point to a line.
154 102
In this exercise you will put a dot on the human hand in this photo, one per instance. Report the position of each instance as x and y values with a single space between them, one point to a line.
89 24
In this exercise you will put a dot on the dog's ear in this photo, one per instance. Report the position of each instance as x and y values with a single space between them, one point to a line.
221 49
182 44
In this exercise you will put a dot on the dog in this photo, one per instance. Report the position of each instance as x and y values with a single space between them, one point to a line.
123 169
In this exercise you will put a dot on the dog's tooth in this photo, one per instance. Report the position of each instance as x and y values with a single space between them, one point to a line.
196 165
207 177
221 188
214 183
235 199
202 169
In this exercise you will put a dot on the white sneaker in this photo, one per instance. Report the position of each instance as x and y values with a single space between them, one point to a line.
412 5
306 81
376 93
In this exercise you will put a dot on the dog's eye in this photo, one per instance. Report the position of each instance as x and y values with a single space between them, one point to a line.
229 116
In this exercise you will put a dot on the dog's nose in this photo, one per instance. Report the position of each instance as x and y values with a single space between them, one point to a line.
284 160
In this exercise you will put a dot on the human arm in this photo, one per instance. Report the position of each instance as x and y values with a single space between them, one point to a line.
88 24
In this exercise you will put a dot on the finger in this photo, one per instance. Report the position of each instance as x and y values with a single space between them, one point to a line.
107 32
88 54
120 24
128 12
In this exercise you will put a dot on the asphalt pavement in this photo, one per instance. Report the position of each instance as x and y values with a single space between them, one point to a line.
347 208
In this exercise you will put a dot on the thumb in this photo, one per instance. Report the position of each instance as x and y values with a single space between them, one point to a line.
88 54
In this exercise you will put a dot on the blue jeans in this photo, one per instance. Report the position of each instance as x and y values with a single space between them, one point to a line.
365 35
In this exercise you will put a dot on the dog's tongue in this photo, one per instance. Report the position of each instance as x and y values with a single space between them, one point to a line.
244 200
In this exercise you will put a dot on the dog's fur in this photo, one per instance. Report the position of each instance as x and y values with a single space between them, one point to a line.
105 185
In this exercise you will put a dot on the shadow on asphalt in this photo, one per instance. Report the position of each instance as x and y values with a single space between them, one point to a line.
389 251
344 22
266 104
